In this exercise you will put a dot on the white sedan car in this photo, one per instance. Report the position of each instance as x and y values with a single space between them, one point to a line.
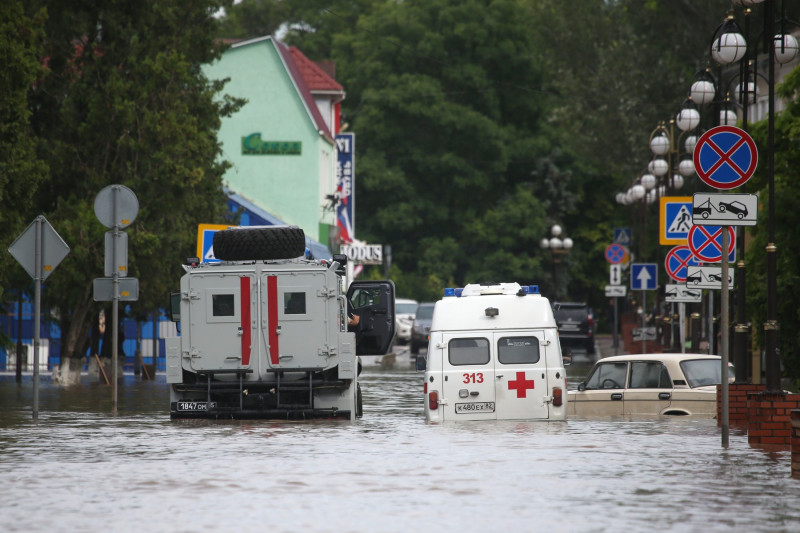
404 312
649 384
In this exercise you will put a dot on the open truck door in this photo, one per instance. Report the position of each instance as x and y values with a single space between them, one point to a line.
373 302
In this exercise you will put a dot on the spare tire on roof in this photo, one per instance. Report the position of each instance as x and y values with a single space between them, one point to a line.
259 243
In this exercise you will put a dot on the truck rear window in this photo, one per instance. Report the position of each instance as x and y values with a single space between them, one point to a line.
468 352
222 305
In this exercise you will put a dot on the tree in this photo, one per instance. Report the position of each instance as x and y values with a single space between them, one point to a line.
21 170
126 102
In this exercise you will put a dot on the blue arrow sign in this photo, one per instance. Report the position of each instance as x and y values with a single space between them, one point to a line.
644 276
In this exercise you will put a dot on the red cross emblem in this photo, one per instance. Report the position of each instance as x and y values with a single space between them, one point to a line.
521 385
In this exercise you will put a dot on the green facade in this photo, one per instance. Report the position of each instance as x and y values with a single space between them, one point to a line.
280 161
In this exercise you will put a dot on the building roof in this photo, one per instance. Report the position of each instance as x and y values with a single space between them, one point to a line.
317 80
304 75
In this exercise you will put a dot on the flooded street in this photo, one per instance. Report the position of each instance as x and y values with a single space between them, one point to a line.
79 468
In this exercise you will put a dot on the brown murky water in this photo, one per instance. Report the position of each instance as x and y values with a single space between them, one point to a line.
80 468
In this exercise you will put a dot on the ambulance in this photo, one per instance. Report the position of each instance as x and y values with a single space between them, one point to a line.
493 354
265 332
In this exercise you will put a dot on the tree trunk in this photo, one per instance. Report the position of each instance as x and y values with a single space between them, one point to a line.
77 330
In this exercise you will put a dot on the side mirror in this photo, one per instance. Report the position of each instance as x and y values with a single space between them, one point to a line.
420 362
567 359
582 385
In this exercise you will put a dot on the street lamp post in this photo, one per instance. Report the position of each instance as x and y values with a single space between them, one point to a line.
558 247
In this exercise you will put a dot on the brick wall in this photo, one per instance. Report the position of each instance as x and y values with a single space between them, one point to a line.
795 416
737 402
769 418
628 322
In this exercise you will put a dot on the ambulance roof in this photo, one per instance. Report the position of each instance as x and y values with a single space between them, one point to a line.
516 307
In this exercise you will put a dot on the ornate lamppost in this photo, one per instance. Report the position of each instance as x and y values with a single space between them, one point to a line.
559 246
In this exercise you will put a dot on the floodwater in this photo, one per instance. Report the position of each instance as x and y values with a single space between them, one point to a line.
80 468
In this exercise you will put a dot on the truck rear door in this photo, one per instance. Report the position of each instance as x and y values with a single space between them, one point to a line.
221 321
295 319
521 375
468 390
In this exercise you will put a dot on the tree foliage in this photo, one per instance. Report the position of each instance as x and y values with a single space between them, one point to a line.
126 102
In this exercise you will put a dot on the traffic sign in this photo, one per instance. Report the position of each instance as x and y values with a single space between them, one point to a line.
705 243
103 289
53 248
725 157
678 260
616 291
205 241
680 293
615 274
707 278
675 219
116 205
724 209
623 236
644 276
616 253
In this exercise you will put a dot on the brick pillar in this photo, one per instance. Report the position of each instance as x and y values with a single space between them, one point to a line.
795 416
769 420
737 402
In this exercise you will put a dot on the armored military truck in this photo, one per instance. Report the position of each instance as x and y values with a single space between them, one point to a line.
266 333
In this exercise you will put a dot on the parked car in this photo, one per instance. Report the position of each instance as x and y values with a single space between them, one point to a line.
422 326
650 384
404 311
575 326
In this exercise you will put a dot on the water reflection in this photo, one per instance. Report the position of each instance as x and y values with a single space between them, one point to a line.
78 468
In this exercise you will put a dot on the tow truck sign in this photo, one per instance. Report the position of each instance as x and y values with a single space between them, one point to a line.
681 293
724 209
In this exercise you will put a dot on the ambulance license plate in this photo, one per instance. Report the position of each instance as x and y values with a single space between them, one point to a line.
478 407
196 406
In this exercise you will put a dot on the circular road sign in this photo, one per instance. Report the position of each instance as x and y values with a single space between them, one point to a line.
677 262
725 157
616 253
116 205
706 242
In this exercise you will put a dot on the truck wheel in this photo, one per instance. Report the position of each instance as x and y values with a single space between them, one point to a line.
259 243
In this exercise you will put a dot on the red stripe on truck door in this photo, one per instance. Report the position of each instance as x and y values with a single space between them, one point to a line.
272 318
244 289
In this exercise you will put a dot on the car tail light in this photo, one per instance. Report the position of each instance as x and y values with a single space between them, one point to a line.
433 400
558 399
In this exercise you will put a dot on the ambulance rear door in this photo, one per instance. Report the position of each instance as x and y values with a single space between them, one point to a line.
468 390
521 375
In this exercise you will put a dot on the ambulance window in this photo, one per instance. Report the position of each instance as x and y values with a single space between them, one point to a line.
468 351
222 305
518 350
294 303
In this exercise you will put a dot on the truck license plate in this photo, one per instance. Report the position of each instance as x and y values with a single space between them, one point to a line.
196 406
478 407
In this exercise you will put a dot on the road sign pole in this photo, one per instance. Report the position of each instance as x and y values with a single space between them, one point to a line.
644 321
616 327
724 337
37 308
115 301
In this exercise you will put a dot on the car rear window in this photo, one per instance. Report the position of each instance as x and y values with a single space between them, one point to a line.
405 309
425 311
649 375
575 313
518 350
468 351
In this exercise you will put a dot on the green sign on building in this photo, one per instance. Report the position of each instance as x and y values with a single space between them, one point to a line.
253 145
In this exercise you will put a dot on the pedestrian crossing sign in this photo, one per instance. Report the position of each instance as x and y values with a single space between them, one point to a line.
623 236
205 241
675 219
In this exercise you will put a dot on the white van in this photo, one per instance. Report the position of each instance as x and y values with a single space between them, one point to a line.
494 354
